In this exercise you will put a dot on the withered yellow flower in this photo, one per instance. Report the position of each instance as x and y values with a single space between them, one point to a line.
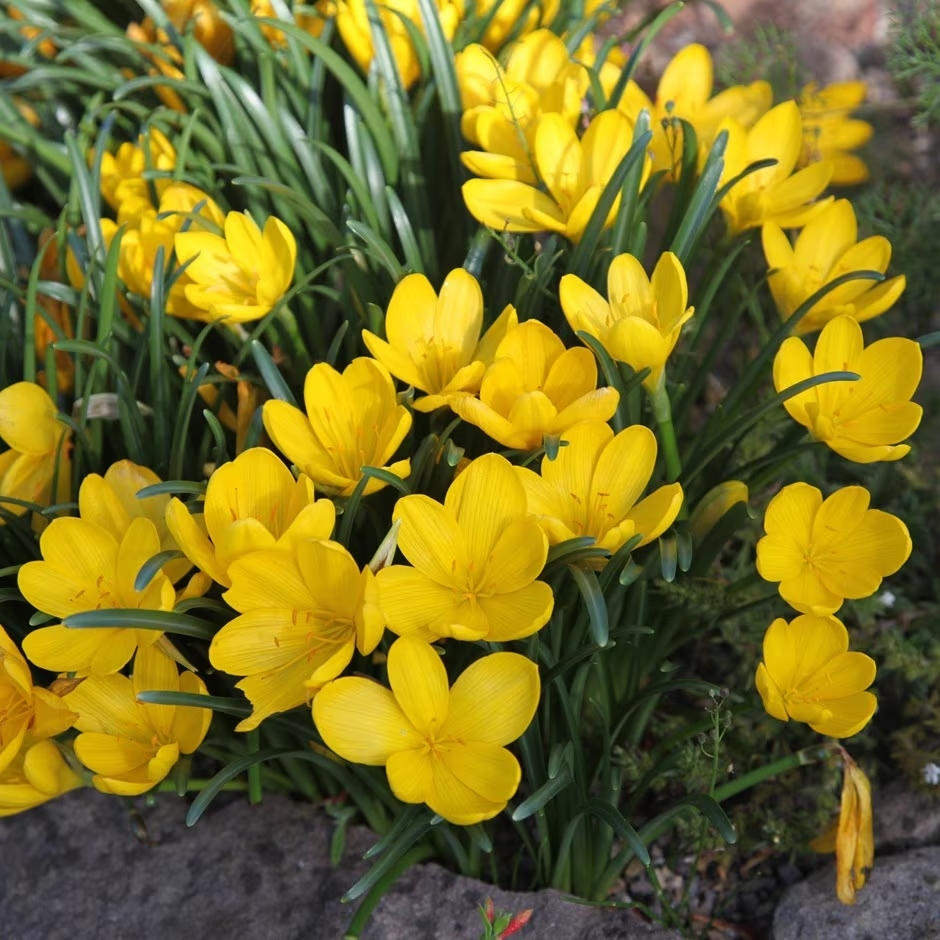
131 746
827 248
863 421
434 341
808 674
353 420
445 747
304 612
535 387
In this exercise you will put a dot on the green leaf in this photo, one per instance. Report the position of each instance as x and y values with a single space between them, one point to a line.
610 815
237 708
548 791
148 570
702 204
668 556
594 602
271 374
379 248
172 487
713 812
167 621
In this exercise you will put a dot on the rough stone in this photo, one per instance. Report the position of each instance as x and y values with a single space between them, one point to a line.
905 817
901 901
87 866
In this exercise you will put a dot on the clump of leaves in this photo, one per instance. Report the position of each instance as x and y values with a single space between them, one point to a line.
914 56
769 53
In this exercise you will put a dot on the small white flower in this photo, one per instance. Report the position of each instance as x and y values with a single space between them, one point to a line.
887 598
932 774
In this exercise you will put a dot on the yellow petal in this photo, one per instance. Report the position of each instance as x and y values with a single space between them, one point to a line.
106 705
572 375
109 754
624 468
770 693
558 156
193 541
584 308
154 671
653 515
410 775
517 614
485 351
687 80
190 724
361 721
419 683
516 559
28 419
502 205
490 771
457 802
431 539
824 240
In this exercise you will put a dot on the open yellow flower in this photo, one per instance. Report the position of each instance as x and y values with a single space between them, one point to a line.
476 559
84 568
808 674
208 27
641 323
776 193
30 428
822 552
32 769
252 503
574 171
303 614
535 387
242 275
445 747
352 20
517 17
122 173
312 23
593 487
353 420
863 421
828 248
685 92
829 133
434 341
852 836
131 746
502 106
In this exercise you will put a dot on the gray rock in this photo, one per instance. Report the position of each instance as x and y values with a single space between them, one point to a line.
905 817
901 901
83 867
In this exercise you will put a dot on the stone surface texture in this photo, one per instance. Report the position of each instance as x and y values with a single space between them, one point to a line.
85 866
901 901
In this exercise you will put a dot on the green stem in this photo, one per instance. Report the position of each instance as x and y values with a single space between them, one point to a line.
662 414
254 771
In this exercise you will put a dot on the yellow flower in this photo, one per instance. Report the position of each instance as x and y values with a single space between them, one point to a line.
32 769
17 169
574 171
822 552
830 134
593 487
353 420
863 421
252 503
240 275
536 387
122 172
827 248
84 568
684 93
714 504
303 614
502 107
166 60
642 322
352 19
131 746
208 27
434 342
809 675
441 746
313 24
514 17
852 836
37 442
776 193
476 559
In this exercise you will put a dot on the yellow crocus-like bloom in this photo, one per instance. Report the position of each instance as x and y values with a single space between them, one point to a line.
513 17
863 421
434 341
32 769
130 746
593 487
252 503
502 106
84 568
574 171
685 93
353 420
303 614
166 60
823 551
640 324
445 747
241 275
30 428
122 172
535 387
310 23
352 20
829 133
205 20
828 248
808 674
852 836
776 193
476 559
